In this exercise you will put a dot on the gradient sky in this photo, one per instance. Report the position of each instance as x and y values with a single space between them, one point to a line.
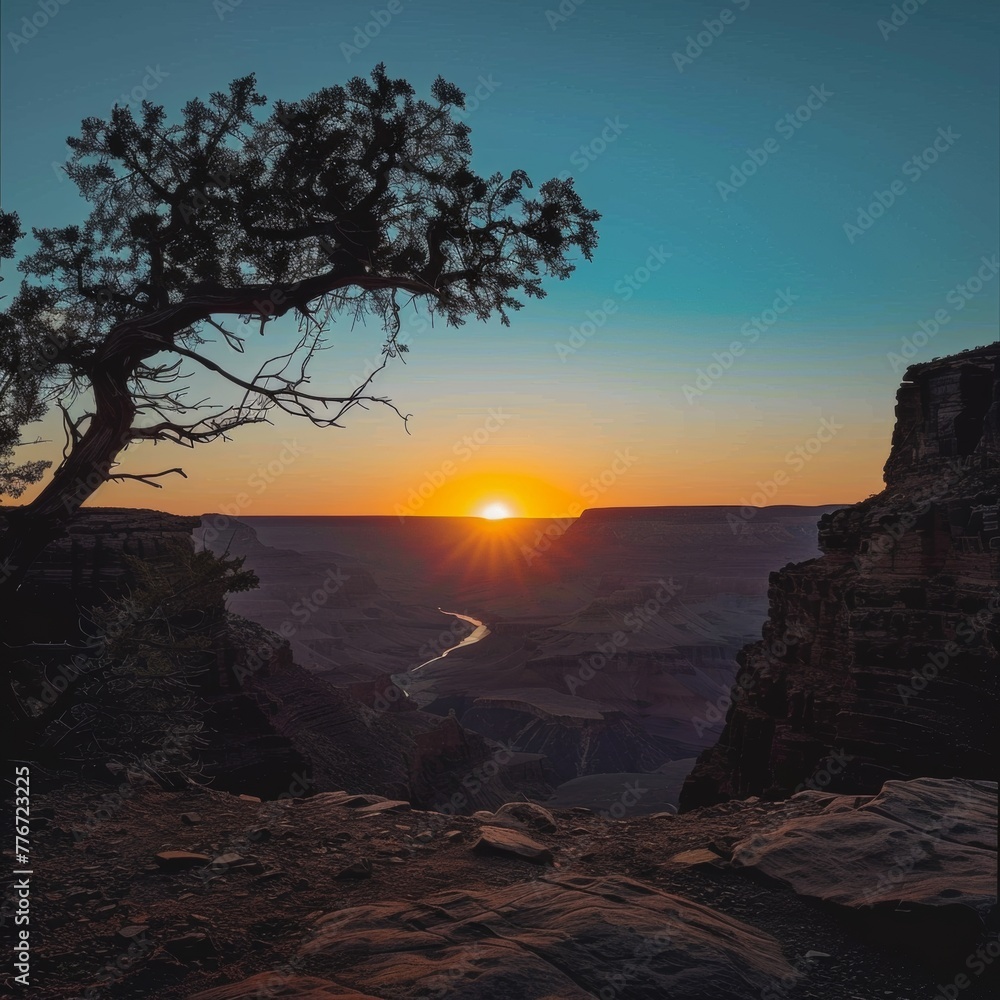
609 423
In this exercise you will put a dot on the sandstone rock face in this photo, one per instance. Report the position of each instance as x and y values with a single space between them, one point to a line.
879 660
86 566
572 937
918 861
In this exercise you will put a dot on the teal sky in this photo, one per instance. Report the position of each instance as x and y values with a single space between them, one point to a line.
551 87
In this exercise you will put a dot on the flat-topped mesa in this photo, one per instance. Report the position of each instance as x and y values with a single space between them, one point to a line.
682 514
91 553
880 659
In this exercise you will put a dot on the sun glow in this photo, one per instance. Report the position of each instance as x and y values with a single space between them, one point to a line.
495 511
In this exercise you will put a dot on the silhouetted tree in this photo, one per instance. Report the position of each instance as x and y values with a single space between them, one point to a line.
20 382
356 200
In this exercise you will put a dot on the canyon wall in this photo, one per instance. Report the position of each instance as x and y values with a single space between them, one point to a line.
880 658
269 724
86 566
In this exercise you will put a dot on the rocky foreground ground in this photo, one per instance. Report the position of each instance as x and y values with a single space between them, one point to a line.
214 896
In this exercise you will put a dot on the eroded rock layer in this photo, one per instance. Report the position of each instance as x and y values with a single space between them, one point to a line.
87 565
879 660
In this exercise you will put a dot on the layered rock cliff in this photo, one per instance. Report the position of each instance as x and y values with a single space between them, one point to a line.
86 566
269 725
880 659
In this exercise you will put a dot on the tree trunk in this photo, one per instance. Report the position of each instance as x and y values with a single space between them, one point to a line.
32 527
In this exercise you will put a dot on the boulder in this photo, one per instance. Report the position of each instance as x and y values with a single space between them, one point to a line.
500 840
570 937
528 814
916 864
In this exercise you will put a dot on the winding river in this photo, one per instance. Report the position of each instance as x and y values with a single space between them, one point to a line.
479 632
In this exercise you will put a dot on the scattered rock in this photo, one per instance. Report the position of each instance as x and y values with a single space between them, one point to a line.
131 931
390 805
498 839
228 861
698 856
360 869
190 818
529 814
82 896
181 860
327 798
270 875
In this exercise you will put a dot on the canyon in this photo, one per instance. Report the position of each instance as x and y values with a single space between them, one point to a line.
504 821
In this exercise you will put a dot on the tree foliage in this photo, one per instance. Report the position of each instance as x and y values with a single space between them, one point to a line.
20 383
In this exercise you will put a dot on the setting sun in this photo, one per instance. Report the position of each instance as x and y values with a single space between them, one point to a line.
495 511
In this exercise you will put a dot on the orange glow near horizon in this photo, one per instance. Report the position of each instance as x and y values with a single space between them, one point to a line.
495 497
295 471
